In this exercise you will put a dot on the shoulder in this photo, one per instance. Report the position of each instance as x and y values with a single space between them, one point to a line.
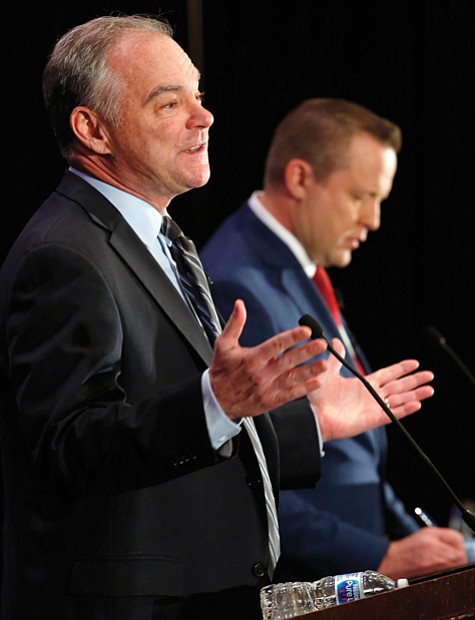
233 230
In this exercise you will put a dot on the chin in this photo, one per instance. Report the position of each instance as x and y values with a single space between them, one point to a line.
342 261
199 180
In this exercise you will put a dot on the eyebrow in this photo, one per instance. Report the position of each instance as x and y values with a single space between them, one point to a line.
169 88
163 89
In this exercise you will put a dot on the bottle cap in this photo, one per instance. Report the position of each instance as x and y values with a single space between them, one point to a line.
402 583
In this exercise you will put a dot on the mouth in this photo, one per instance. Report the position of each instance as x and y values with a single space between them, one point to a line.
355 242
199 148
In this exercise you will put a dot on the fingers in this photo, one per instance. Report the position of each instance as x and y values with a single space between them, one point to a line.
450 536
339 348
284 356
410 382
273 347
333 364
298 382
280 350
426 551
233 329
249 380
444 542
397 387
393 372
421 393
404 395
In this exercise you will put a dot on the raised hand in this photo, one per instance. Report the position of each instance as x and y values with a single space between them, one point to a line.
250 380
345 408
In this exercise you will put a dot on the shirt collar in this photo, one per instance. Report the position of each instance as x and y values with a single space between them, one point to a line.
141 216
284 235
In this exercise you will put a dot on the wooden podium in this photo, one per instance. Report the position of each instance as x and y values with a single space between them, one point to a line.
445 596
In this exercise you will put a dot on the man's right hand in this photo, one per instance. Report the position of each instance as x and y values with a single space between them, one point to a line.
247 381
429 550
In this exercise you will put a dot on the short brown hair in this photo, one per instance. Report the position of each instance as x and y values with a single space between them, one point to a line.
319 131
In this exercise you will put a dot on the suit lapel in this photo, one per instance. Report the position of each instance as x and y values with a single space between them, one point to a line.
293 280
157 283
133 252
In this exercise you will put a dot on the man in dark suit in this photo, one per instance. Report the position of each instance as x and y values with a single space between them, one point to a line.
137 485
330 165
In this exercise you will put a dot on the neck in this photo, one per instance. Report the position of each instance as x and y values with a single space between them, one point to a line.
280 206
98 170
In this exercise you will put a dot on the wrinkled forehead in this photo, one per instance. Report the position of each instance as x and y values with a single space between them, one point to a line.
142 52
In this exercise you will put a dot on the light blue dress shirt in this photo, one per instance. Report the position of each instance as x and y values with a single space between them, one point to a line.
146 221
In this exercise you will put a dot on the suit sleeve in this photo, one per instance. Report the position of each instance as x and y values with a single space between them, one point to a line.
65 340
299 451
316 543
399 522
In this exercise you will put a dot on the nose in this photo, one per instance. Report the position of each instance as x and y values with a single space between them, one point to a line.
370 215
200 116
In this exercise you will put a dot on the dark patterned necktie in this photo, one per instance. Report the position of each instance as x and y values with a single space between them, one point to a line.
193 279
196 287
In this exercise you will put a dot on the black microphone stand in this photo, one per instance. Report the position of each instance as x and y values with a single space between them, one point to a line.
436 337
317 332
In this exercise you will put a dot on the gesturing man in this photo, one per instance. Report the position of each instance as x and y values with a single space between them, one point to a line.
141 467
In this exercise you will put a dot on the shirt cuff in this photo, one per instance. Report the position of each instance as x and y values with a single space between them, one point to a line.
220 428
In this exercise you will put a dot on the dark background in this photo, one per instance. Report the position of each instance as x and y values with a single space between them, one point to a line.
411 61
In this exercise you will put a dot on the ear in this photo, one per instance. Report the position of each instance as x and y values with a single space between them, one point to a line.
88 128
297 175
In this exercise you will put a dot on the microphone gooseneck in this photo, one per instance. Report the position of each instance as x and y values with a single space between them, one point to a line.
317 332
440 342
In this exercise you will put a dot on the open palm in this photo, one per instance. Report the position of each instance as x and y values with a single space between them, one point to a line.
345 408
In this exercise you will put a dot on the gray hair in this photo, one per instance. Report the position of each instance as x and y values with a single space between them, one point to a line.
77 72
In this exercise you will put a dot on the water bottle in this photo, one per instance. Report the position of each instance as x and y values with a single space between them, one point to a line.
287 600
457 523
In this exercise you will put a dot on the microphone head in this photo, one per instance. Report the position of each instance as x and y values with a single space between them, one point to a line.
435 336
309 321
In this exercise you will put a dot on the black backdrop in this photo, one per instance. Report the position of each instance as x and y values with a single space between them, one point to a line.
412 61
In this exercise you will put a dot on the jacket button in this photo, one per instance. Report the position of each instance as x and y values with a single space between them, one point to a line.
253 483
258 569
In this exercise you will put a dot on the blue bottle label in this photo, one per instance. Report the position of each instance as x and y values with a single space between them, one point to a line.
348 588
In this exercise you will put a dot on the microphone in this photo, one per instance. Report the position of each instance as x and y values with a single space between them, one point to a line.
317 332
439 341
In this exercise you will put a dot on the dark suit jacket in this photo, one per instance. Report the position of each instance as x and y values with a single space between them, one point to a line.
341 525
116 502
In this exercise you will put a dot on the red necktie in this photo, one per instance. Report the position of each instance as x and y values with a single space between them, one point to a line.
324 285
